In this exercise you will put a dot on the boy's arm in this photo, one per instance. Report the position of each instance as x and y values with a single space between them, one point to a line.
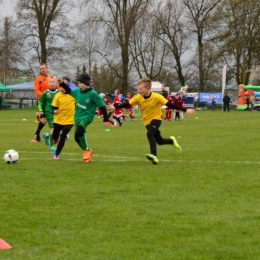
41 102
55 110
116 106
189 111
104 112
173 106
37 90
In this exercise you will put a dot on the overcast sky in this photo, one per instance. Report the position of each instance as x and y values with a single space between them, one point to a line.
7 8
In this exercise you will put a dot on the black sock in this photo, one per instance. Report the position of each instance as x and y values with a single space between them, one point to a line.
40 127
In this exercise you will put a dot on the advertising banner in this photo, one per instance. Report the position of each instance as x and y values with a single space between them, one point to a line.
207 97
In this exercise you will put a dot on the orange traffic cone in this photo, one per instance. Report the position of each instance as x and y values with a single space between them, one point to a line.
4 245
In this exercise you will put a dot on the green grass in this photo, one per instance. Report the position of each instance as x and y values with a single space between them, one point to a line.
200 204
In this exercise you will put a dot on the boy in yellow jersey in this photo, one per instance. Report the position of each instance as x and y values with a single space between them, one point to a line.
150 104
63 109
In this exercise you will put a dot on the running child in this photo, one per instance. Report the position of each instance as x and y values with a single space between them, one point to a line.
63 105
87 100
45 109
150 104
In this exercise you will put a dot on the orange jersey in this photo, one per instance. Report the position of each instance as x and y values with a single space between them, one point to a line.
40 85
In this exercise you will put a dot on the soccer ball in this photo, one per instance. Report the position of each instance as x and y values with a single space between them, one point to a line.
11 156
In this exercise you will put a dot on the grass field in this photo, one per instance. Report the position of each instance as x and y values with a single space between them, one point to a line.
200 204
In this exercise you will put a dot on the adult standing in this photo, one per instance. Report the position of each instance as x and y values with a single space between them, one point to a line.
226 101
40 85
164 92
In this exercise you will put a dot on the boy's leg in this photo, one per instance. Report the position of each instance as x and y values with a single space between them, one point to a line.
56 133
117 120
65 130
46 136
177 115
159 139
51 141
81 139
37 137
152 132
182 118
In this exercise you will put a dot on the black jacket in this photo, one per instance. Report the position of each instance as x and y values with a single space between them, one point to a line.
226 99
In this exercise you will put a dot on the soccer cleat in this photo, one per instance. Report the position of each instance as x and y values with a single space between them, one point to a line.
87 155
46 138
52 148
152 158
176 145
36 139
56 157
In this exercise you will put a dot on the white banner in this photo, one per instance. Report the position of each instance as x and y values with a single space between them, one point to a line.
224 75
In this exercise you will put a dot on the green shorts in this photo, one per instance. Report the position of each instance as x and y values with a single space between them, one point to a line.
49 119
84 123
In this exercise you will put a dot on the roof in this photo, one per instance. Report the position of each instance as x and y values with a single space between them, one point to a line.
30 86
3 88
22 86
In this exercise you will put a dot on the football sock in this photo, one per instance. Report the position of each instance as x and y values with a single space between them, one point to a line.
40 127
50 140
83 142
57 152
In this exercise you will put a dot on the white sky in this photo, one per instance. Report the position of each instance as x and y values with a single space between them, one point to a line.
7 8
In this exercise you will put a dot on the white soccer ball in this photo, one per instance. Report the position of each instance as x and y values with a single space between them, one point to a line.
11 156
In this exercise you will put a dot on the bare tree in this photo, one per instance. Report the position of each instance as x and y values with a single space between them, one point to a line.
118 20
238 39
148 53
254 78
173 34
43 27
200 13
9 48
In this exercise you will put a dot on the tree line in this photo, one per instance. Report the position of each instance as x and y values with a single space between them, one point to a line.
176 42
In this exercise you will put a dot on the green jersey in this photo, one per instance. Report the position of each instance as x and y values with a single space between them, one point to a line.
86 104
44 103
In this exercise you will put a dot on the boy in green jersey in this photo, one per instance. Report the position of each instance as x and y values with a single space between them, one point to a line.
87 101
45 109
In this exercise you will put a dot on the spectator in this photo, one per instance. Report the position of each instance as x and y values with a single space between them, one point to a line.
253 101
213 103
164 92
226 101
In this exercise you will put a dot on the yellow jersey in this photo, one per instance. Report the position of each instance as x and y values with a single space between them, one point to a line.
66 106
150 107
